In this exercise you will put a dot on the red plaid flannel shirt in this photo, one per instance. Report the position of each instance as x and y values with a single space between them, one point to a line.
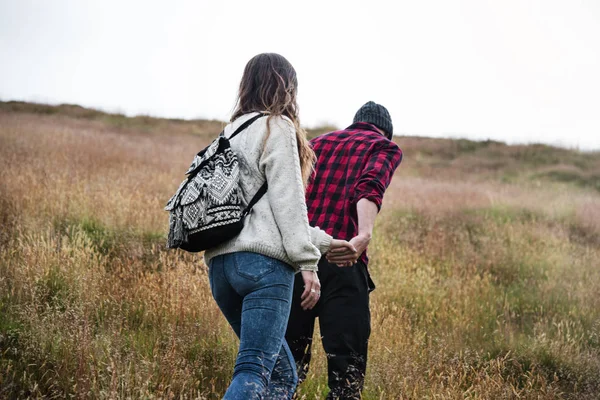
352 164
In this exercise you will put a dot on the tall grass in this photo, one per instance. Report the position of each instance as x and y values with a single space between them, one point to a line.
487 288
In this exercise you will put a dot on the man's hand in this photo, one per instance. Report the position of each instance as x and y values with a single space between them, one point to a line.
341 246
360 242
343 257
344 252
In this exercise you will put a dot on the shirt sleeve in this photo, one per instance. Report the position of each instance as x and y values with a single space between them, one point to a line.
281 165
378 172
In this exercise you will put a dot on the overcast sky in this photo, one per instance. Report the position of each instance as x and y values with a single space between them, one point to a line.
510 70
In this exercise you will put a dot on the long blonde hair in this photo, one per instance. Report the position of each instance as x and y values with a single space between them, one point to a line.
269 84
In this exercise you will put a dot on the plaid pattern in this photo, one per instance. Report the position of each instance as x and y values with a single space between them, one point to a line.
352 164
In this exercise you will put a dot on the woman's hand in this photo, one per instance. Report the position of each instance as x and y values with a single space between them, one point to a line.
342 253
312 290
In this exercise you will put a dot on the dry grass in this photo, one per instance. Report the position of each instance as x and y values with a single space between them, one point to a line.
487 277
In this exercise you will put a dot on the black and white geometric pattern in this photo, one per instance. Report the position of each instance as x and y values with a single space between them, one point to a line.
209 197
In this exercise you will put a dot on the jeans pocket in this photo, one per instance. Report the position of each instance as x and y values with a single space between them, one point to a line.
254 266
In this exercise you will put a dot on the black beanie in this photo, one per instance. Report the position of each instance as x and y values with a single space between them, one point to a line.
377 115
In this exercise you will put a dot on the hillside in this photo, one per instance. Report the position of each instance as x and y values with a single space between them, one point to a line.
485 258
430 158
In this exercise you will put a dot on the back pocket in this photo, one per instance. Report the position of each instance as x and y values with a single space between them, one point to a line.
254 266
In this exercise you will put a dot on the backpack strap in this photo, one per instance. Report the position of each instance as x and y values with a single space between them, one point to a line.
255 199
245 125
264 187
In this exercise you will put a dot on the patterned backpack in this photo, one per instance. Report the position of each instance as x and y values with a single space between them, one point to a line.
207 209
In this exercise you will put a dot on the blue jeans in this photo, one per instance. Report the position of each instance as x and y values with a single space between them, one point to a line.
254 292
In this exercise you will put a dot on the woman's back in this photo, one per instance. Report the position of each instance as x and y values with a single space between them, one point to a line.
277 225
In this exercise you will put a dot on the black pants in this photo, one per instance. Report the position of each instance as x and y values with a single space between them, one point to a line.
345 324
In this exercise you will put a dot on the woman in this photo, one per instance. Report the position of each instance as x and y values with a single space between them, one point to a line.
252 275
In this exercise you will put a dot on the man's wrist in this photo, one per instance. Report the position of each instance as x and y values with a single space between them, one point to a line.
365 235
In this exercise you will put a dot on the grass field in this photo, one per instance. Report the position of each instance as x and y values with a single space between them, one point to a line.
486 259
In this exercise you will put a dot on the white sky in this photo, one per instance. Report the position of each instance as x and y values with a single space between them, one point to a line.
510 70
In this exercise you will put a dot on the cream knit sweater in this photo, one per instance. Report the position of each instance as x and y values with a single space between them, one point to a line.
278 225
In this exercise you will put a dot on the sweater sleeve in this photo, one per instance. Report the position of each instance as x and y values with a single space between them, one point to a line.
280 163
320 238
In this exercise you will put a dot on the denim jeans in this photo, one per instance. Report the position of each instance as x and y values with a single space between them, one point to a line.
254 292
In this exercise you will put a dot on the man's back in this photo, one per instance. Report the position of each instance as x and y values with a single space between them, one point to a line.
352 164
354 167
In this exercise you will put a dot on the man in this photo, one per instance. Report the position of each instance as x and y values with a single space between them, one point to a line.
354 167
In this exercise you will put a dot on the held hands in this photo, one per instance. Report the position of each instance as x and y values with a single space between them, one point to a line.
345 254
342 253
312 286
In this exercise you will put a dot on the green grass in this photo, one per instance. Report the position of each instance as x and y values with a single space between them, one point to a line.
571 177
